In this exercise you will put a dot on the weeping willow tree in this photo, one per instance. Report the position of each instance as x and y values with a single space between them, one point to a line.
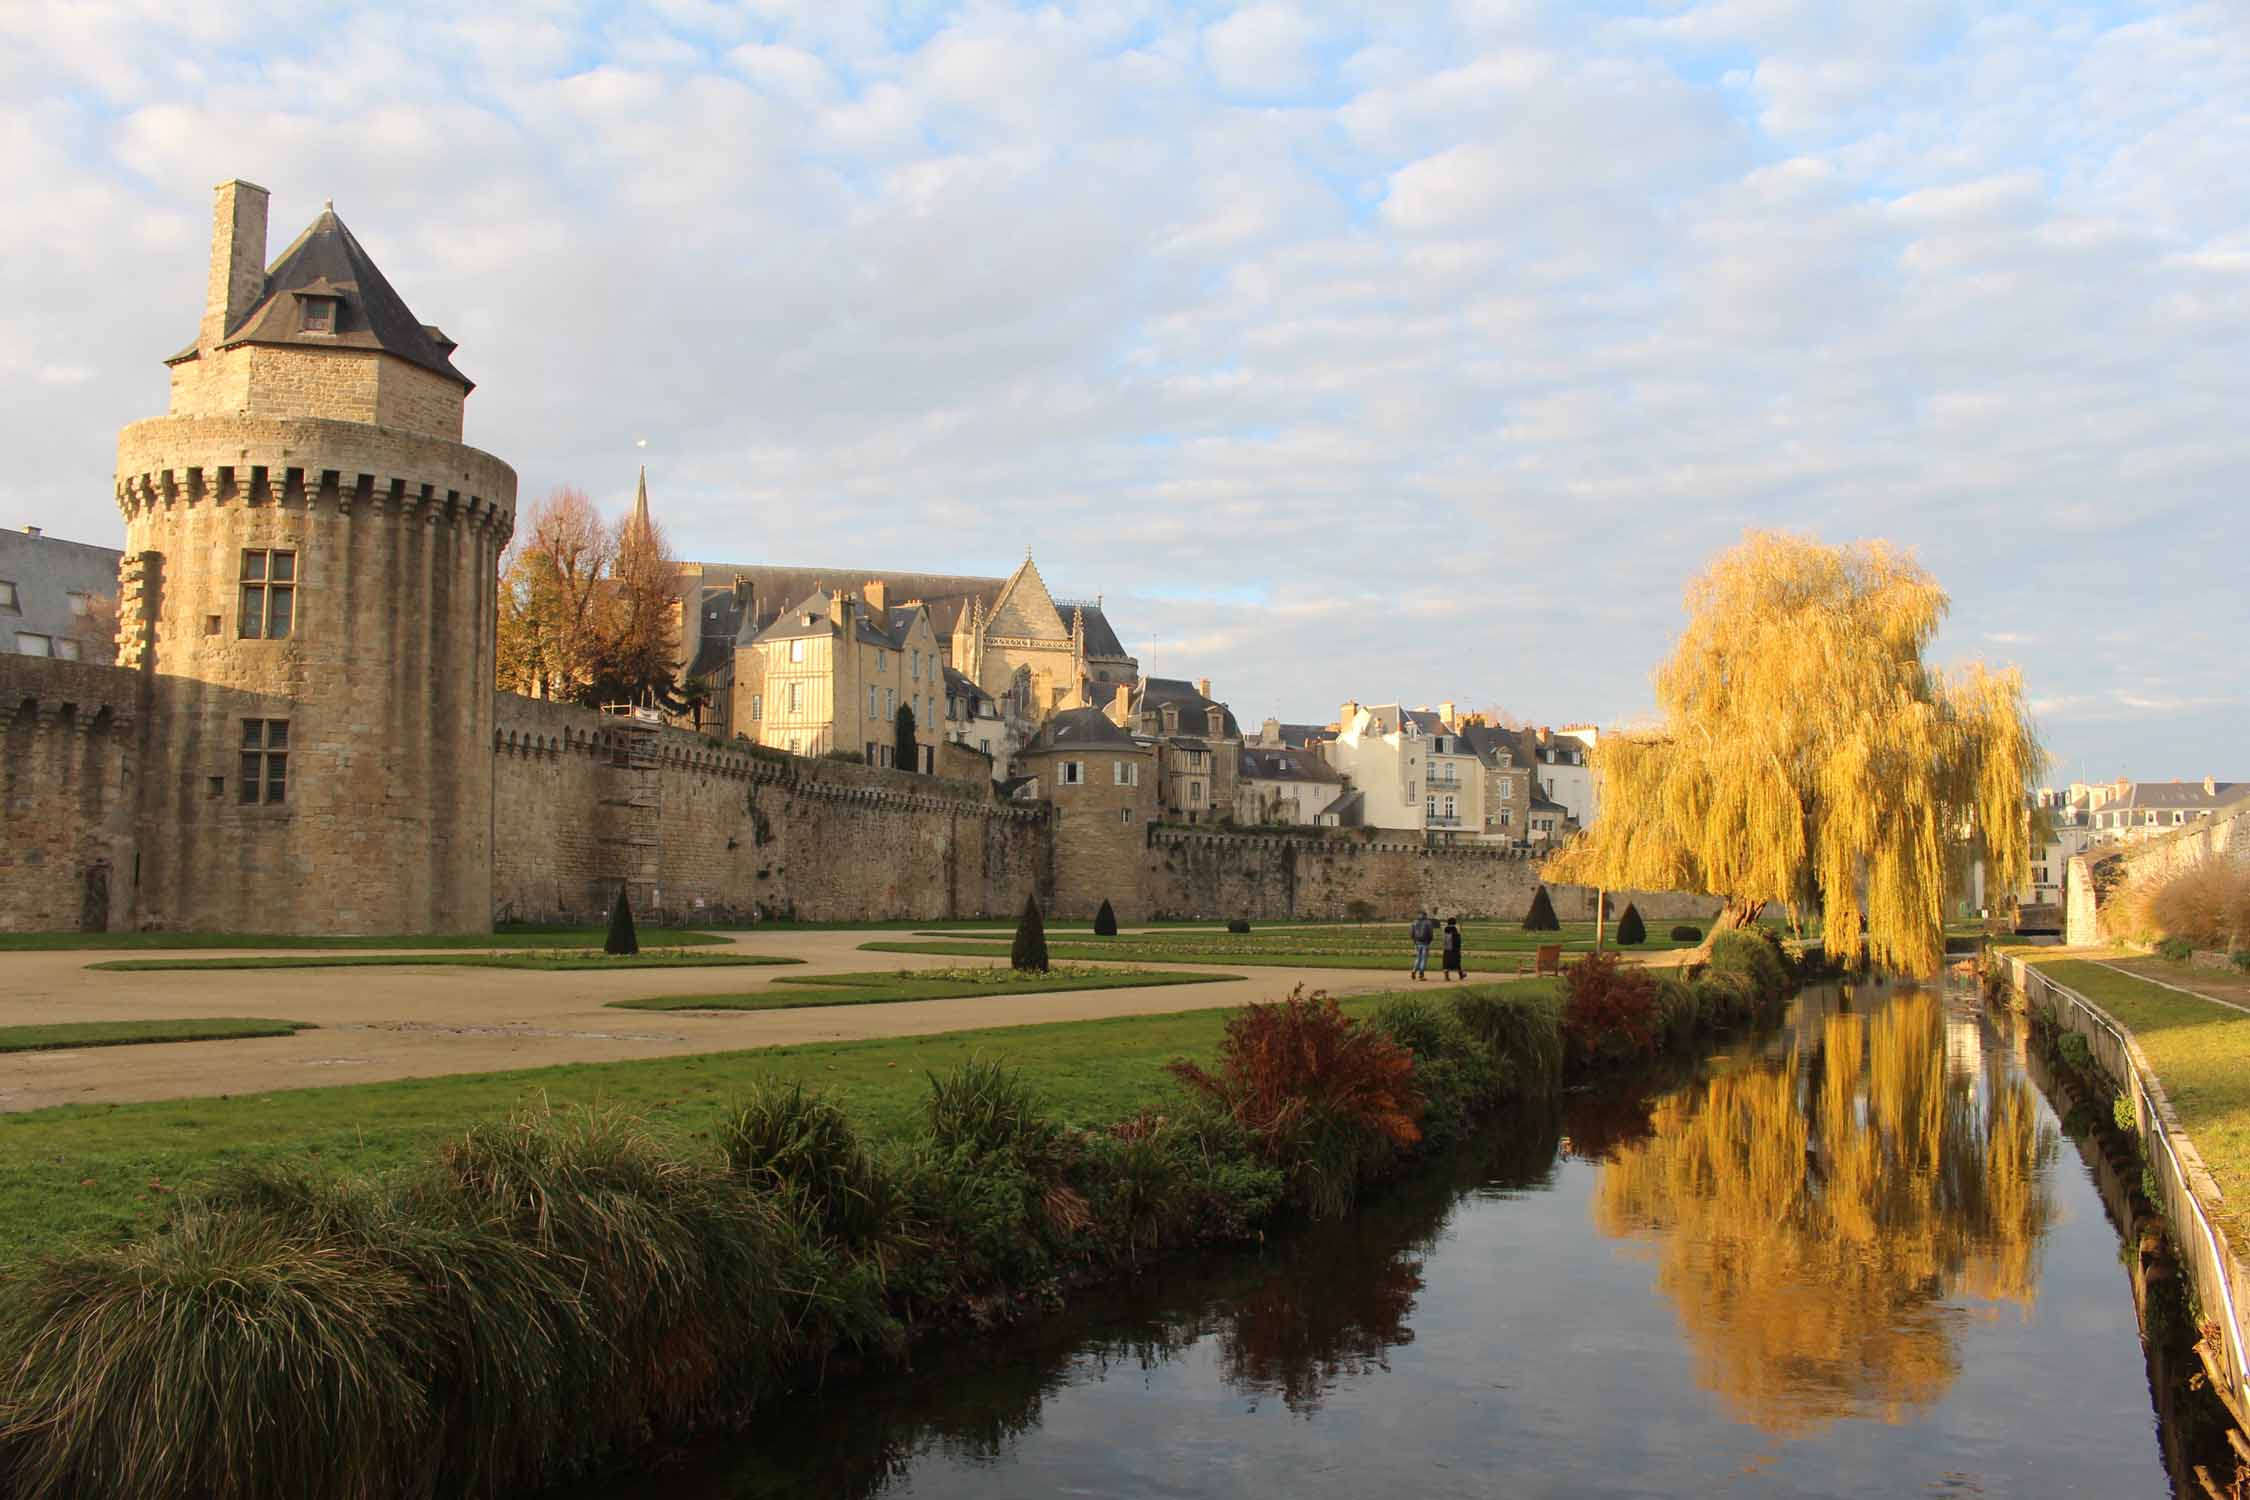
1809 757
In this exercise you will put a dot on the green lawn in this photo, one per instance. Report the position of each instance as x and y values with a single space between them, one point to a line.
916 984
2201 1051
70 1035
1489 947
103 1170
509 937
592 958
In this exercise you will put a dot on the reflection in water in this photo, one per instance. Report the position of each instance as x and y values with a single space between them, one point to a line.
1811 1219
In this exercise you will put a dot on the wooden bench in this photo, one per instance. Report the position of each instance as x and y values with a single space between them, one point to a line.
1546 959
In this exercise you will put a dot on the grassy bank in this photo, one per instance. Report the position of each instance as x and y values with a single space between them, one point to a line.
592 958
71 1035
491 1299
2201 1052
795 991
506 937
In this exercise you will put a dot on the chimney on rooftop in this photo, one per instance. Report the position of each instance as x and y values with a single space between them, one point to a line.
1446 712
1203 686
238 259
878 596
2210 783
838 602
31 531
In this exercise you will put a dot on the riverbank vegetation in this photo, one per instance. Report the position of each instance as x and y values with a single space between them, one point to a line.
792 991
2200 1049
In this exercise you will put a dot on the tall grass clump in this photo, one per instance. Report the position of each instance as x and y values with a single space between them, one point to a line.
238 1356
1744 951
2206 905
1319 1092
1521 1027
803 1148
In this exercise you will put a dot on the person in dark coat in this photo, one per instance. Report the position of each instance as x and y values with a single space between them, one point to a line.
1421 932
1453 962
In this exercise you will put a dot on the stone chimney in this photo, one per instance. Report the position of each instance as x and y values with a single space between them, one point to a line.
1203 686
839 603
238 259
2210 783
1269 733
1445 712
1121 706
878 596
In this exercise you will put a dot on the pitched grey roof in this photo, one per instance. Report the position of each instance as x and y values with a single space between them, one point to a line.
1347 810
946 595
1491 743
1261 764
1305 736
328 260
46 571
1074 728
1156 693
2168 795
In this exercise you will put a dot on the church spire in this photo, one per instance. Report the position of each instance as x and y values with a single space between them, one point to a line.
641 524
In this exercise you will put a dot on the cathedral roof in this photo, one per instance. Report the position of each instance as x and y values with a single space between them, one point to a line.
327 260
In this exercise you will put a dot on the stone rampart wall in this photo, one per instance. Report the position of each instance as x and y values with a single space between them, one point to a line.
2225 834
67 773
702 831
1271 876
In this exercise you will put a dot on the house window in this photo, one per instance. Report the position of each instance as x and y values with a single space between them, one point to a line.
1429 809
67 649
8 598
265 761
28 644
797 650
1073 773
1128 774
890 703
1506 816
269 593
1195 794
1507 790
757 707
81 605
319 314
872 691
796 744
796 699
1449 810
917 665
985 746
1125 815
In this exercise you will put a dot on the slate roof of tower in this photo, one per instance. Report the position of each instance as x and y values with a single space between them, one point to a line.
1155 693
329 260
1075 727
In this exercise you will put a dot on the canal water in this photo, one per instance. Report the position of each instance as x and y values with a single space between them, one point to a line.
1851 1257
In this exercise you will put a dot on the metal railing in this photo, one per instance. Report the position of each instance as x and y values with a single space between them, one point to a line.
2212 1267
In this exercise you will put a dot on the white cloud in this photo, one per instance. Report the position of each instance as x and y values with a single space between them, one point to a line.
1456 337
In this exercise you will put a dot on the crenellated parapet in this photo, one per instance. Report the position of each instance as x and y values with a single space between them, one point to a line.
1335 842
80 697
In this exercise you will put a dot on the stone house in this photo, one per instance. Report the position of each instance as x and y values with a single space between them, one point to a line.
2135 810
832 671
1509 783
1277 784
1411 768
1196 741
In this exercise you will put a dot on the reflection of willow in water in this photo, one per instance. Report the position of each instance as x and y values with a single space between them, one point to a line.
1811 1219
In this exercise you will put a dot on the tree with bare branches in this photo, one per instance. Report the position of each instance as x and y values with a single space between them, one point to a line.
1808 756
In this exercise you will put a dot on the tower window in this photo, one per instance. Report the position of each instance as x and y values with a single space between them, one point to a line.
265 761
269 593
319 314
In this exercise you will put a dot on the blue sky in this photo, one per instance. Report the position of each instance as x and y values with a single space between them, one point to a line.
1416 351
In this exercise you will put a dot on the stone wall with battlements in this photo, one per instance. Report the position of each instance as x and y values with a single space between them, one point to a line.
1190 873
67 780
2105 872
702 831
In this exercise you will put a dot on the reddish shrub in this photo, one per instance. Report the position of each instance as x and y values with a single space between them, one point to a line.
1610 1010
1285 1069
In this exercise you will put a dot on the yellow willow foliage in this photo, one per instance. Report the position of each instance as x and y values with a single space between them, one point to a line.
1810 1220
1808 754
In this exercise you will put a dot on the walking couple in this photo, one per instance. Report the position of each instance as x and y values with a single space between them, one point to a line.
1423 931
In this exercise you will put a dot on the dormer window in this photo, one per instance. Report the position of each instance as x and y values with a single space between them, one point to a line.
317 314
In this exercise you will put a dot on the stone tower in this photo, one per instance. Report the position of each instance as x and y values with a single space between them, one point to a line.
309 589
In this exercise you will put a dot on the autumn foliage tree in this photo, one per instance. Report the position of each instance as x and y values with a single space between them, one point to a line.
1808 755
588 608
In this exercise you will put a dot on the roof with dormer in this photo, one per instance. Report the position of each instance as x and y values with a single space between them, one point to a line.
328 261
1080 728
948 596
1155 694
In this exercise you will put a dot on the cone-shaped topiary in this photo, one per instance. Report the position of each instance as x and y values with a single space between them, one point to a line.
1105 922
1030 951
1629 928
905 754
1541 917
622 938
